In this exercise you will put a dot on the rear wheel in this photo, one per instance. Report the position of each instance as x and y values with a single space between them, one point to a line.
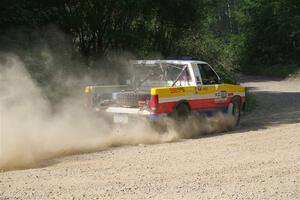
180 117
182 112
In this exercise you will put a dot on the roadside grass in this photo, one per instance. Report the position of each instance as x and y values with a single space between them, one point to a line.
250 101
280 71
295 75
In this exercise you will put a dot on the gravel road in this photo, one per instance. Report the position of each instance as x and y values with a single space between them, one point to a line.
260 160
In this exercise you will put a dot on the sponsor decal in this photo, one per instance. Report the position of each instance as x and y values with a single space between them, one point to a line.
176 90
221 96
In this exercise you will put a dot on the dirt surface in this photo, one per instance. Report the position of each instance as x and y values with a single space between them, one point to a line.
260 160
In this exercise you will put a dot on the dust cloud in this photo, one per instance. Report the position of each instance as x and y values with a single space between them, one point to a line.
31 132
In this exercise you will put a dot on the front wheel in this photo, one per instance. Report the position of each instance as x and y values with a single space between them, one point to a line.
236 111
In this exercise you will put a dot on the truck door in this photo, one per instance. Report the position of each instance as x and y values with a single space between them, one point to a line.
209 88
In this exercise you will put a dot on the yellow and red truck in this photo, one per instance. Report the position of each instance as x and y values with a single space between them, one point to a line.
167 88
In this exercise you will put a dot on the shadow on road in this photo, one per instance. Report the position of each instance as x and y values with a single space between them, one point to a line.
273 109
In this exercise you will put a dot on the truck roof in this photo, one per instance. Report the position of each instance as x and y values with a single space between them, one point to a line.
174 62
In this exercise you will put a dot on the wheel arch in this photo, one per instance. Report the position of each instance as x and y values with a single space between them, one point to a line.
183 101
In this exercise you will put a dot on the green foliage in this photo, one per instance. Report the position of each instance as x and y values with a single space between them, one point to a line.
230 34
272 30
216 39
98 27
250 101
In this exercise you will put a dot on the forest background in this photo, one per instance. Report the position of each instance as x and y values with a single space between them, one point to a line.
57 38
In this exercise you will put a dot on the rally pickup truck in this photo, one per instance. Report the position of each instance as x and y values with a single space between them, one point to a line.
167 88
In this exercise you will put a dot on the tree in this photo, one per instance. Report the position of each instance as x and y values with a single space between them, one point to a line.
272 31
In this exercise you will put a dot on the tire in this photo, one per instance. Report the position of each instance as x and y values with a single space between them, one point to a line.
180 117
131 99
236 111
182 112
